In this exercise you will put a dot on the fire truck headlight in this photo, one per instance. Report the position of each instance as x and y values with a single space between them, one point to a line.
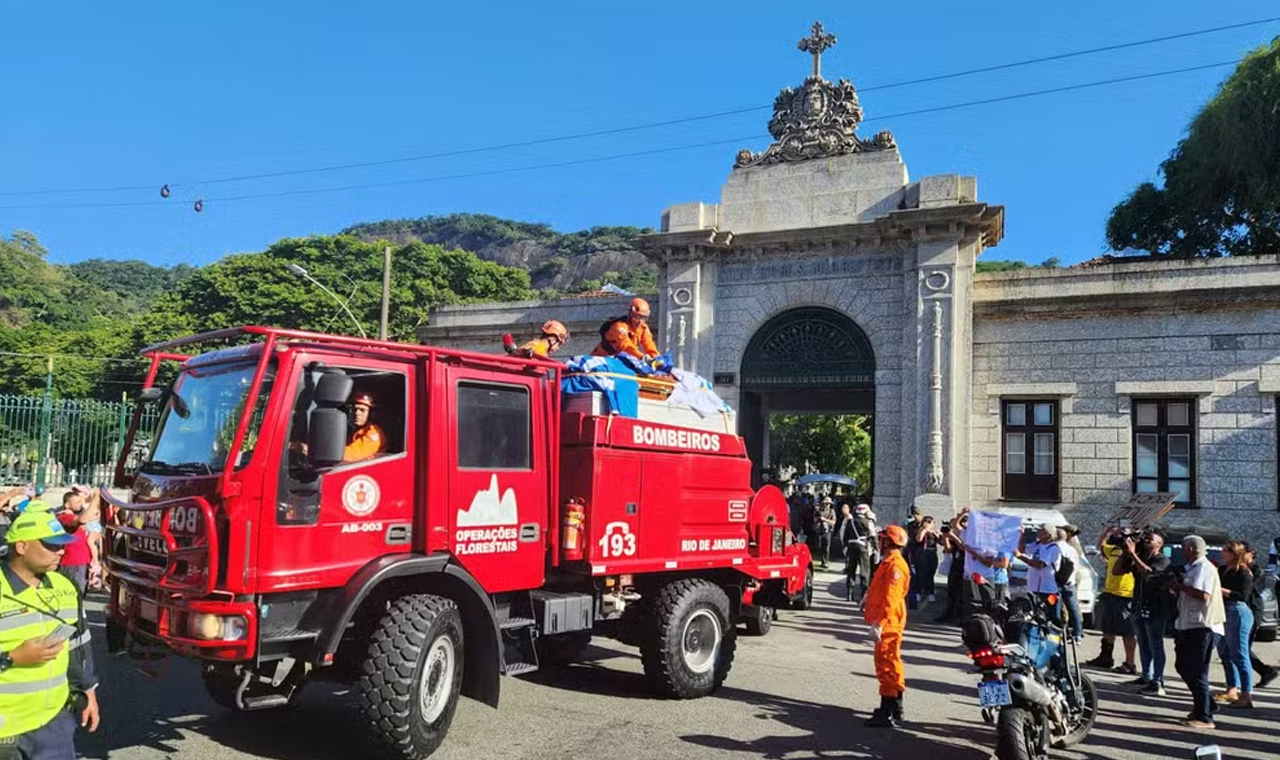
211 627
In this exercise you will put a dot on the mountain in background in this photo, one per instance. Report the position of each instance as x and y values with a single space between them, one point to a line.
558 263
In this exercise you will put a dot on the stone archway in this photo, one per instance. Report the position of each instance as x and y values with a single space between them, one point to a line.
805 360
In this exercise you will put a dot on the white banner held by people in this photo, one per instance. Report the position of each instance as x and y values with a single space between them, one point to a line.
990 533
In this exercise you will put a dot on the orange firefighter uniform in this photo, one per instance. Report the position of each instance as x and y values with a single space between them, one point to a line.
629 334
554 335
368 440
885 610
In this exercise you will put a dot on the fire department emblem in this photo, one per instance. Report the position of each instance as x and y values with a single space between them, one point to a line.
360 495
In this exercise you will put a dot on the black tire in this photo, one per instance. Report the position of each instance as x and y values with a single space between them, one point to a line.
806 597
1017 735
563 648
417 644
1266 634
1078 729
689 639
759 620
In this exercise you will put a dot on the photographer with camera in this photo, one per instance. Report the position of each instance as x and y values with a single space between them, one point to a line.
1117 606
1145 558
955 547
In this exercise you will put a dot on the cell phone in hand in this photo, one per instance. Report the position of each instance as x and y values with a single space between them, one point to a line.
60 634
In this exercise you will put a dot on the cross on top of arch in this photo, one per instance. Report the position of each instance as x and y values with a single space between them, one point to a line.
816 44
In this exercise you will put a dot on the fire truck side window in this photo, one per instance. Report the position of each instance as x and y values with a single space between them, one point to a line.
494 427
386 416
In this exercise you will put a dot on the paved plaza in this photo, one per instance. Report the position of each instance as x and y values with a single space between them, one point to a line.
801 692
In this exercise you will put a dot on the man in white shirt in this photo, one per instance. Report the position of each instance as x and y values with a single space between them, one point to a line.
1043 558
1201 618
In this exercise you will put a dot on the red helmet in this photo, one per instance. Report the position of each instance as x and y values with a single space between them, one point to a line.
554 327
639 307
896 534
363 398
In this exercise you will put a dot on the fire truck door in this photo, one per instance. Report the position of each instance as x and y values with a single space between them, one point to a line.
331 522
498 489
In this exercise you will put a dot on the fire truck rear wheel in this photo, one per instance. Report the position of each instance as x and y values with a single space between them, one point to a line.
690 639
806 597
409 682
759 620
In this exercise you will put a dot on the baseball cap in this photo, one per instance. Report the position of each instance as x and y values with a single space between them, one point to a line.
37 524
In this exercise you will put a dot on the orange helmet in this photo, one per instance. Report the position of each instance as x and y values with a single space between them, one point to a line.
363 398
554 327
896 534
639 307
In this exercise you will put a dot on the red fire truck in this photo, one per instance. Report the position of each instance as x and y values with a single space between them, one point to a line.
493 531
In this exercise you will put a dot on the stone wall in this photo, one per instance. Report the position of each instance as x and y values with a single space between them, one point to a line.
1098 338
873 296
479 327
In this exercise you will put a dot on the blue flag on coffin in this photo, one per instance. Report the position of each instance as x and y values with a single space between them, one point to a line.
608 375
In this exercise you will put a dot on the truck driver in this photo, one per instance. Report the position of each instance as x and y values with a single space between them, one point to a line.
629 334
368 440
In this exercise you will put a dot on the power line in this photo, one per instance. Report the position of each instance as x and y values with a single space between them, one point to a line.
634 154
637 127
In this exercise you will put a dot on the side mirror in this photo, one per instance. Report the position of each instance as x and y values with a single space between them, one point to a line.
327 438
333 390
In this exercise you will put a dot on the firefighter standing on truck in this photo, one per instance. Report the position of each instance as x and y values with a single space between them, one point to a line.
554 335
885 610
629 334
47 683
368 440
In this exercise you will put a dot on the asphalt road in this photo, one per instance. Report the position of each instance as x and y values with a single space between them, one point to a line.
801 692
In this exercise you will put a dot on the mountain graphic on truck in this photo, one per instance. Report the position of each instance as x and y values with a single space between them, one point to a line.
490 508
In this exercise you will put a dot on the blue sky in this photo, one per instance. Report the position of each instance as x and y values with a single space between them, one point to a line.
148 93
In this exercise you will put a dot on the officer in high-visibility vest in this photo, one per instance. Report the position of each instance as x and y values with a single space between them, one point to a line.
47 683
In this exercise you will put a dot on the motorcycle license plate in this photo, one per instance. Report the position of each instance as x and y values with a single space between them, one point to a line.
994 694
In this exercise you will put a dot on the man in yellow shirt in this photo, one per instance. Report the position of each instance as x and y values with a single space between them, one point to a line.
1116 607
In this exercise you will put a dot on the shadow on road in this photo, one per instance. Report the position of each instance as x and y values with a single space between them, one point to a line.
829 730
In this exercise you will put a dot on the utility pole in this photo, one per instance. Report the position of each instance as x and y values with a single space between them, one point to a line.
46 428
386 291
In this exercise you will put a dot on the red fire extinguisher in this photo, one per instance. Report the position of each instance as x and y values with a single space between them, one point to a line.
575 514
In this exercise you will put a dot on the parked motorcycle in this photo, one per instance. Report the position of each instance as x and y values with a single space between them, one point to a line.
1032 688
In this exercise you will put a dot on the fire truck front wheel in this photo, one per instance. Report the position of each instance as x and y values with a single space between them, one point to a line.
410 679
690 639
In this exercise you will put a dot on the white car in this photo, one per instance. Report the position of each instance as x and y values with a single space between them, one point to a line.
1086 577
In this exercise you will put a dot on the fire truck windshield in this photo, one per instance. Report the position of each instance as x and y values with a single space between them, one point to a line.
198 423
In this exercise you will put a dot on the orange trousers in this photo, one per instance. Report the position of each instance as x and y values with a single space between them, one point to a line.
888 658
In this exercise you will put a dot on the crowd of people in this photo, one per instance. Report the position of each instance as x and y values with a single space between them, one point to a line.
1147 590
51 558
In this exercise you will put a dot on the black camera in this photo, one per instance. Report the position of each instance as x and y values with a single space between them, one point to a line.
946 528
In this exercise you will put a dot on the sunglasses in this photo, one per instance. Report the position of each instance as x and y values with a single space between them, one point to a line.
55 548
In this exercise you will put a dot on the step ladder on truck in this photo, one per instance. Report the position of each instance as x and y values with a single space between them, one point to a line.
496 531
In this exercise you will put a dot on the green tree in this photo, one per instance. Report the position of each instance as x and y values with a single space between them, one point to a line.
258 288
833 444
1221 185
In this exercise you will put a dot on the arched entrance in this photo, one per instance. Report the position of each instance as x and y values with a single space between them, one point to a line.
807 360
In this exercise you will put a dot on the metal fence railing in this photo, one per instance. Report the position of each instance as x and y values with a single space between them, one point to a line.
79 440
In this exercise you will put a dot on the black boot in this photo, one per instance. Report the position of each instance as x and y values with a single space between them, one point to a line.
883 715
896 713
1105 659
